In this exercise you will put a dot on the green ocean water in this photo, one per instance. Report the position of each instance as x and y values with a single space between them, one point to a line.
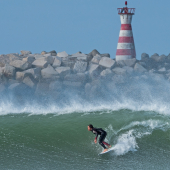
60 140
46 133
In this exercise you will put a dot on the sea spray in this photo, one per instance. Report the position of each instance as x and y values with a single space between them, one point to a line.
125 139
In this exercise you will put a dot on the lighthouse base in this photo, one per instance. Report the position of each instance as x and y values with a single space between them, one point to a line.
123 57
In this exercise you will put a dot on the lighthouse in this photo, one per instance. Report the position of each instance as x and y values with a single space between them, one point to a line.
126 46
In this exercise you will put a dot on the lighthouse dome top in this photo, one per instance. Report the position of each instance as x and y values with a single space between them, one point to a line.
126 10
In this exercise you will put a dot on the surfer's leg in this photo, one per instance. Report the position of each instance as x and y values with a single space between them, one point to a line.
101 139
105 143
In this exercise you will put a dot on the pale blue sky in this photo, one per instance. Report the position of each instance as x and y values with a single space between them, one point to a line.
81 25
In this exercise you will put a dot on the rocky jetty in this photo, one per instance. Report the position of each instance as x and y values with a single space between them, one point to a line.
55 74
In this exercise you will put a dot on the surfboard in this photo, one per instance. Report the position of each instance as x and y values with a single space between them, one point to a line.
111 149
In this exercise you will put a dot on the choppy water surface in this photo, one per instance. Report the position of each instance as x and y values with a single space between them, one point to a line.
47 134
61 141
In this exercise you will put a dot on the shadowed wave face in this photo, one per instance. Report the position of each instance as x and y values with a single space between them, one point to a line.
50 131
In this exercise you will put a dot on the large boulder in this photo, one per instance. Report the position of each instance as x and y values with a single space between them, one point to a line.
142 64
139 68
13 56
48 58
107 62
62 71
38 56
68 61
47 55
105 55
23 65
120 63
96 59
23 52
29 81
106 73
4 59
53 53
9 71
80 67
36 72
40 63
155 57
21 75
144 56
89 57
48 72
29 59
80 56
57 62
162 57
94 70
62 54
119 71
168 57
158 58
94 52
130 62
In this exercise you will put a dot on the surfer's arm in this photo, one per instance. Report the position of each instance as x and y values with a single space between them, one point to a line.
95 140
96 136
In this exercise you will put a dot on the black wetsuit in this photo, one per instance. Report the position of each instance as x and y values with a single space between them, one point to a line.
102 133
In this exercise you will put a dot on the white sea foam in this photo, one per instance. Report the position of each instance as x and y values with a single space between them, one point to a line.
75 106
136 95
126 141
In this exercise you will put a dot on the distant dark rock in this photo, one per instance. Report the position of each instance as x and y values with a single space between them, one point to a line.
144 56
94 52
105 55
53 51
155 57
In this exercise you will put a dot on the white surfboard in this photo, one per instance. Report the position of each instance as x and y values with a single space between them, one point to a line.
111 149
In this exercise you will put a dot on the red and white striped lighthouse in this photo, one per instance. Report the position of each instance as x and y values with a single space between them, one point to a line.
126 46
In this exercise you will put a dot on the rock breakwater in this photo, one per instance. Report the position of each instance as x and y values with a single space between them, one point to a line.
57 74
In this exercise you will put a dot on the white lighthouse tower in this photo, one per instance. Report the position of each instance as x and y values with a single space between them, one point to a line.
126 46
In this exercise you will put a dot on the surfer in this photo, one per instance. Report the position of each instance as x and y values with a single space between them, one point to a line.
102 133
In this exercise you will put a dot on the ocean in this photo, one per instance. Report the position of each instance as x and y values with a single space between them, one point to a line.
51 136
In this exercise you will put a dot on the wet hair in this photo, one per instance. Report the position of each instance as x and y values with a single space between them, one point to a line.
90 125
